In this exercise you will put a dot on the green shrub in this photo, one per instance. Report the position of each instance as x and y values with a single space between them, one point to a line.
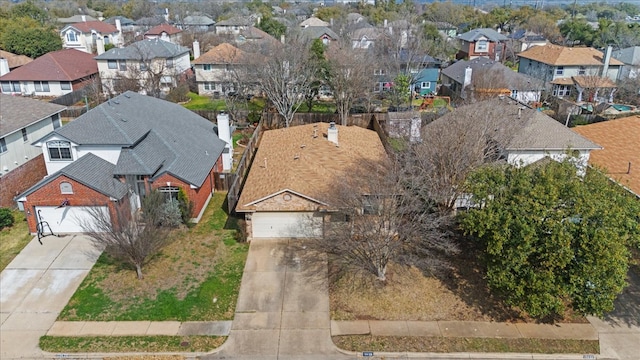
171 216
186 206
6 218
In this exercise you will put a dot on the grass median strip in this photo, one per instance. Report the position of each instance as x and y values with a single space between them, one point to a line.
448 345
59 344
14 239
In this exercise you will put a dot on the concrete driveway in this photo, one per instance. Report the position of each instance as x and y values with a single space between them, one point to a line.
36 286
283 305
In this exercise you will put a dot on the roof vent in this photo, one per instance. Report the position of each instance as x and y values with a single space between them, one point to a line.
127 96
123 119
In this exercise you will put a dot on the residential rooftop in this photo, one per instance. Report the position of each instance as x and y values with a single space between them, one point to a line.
17 112
565 56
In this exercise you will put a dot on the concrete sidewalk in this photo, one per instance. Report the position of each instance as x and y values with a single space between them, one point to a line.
139 328
467 329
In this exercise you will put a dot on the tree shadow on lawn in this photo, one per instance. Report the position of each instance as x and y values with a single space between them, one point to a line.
465 278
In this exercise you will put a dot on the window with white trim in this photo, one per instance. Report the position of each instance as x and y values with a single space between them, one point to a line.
3 145
25 137
582 70
59 150
482 46
425 85
112 64
122 65
65 85
170 192
143 66
206 67
379 72
72 36
41 86
55 120
560 70
169 63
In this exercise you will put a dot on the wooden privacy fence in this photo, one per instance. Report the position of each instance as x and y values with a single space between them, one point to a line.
240 174
70 98
273 120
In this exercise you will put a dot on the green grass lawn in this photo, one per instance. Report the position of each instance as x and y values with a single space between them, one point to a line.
318 107
195 278
199 102
14 239
121 344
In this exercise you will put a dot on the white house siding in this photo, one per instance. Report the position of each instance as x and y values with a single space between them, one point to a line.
180 65
526 157
20 151
109 153
526 96
29 88
550 72
210 81
85 41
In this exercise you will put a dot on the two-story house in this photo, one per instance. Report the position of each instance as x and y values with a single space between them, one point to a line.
233 26
571 69
198 23
150 66
482 43
115 154
53 74
481 78
164 32
83 35
219 70
23 120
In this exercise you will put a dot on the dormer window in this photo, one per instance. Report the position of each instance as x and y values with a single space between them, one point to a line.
59 150
72 36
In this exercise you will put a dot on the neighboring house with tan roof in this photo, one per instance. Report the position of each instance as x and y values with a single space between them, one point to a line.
293 172
561 66
83 35
10 61
313 21
620 155
218 70
164 32
52 74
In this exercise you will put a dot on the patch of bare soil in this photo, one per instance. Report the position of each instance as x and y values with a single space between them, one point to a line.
147 357
182 265
459 293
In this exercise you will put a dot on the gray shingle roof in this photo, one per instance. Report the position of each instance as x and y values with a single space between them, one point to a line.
198 20
91 171
157 136
502 76
535 130
144 49
17 112
315 32
475 34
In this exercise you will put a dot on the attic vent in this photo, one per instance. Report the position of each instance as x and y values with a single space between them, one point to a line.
123 119
127 96
116 102
296 156
303 146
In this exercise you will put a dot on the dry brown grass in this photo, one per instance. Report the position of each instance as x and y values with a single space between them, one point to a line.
193 254
459 293
147 357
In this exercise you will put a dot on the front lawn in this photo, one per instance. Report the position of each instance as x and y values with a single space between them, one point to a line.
195 278
14 239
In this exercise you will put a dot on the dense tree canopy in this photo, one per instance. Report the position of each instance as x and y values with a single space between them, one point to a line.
553 238
25 36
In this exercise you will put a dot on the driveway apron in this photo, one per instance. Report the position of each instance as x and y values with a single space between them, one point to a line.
283 305
36 286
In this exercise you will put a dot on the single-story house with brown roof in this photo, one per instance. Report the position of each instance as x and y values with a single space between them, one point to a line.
620 155
53 74
293 172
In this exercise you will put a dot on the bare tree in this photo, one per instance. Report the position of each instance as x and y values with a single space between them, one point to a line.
125 238
285 77
349 76
456 144
379 222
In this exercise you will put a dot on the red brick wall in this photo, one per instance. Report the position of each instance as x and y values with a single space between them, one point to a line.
20 179
49 195
200 195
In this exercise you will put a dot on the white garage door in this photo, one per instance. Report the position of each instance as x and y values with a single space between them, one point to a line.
286 225
65 219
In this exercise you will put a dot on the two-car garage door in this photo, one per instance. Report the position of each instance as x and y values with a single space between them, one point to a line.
67 219
286 225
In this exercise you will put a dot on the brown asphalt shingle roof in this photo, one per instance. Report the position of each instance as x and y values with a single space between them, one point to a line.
61 65
561 55
222 54
16 112
318 165
621 141
98 26
166 28
15 60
